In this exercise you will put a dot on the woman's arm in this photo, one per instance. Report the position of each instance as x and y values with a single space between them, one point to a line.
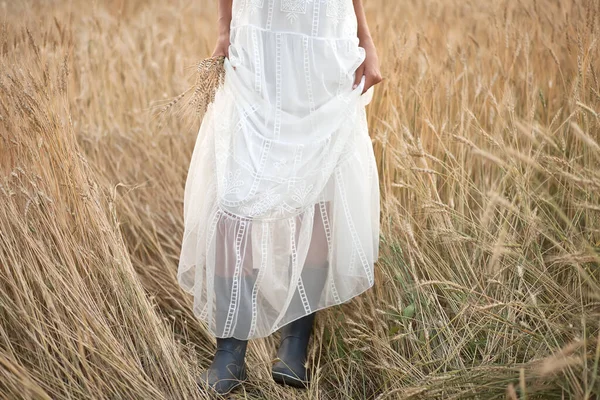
223 22
370 67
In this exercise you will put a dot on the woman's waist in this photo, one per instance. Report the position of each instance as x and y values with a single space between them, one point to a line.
256 41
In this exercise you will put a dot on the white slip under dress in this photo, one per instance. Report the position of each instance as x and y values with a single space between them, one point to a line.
281 203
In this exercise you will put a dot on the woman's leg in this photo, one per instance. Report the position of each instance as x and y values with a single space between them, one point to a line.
291 369
228 367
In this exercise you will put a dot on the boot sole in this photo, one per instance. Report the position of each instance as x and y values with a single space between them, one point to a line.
288 380
238 383
212 390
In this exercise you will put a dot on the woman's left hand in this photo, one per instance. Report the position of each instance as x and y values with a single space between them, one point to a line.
369 68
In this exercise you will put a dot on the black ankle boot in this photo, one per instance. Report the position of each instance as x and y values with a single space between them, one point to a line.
228 368
290 369
290 366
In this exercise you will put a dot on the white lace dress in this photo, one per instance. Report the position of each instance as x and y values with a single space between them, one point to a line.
281 204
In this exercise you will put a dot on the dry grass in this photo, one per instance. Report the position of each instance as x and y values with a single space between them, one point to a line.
486 132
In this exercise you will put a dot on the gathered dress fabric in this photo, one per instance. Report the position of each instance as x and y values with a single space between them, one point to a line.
281 202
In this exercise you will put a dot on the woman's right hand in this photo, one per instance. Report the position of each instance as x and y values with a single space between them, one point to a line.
222 46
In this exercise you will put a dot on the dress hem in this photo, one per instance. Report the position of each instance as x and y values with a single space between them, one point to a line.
364 290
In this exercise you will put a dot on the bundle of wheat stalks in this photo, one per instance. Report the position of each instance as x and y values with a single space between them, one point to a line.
486 133
209 76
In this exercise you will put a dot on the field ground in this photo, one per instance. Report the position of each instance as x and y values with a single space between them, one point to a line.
486 132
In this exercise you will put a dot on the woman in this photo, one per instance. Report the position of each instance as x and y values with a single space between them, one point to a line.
281 203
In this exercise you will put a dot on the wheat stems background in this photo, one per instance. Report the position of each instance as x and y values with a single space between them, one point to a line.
486 133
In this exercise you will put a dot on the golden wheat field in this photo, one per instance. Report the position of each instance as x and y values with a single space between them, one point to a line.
486 130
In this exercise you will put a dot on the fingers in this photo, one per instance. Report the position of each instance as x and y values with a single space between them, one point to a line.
371 78
226 53
226 49
360 71
221 49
